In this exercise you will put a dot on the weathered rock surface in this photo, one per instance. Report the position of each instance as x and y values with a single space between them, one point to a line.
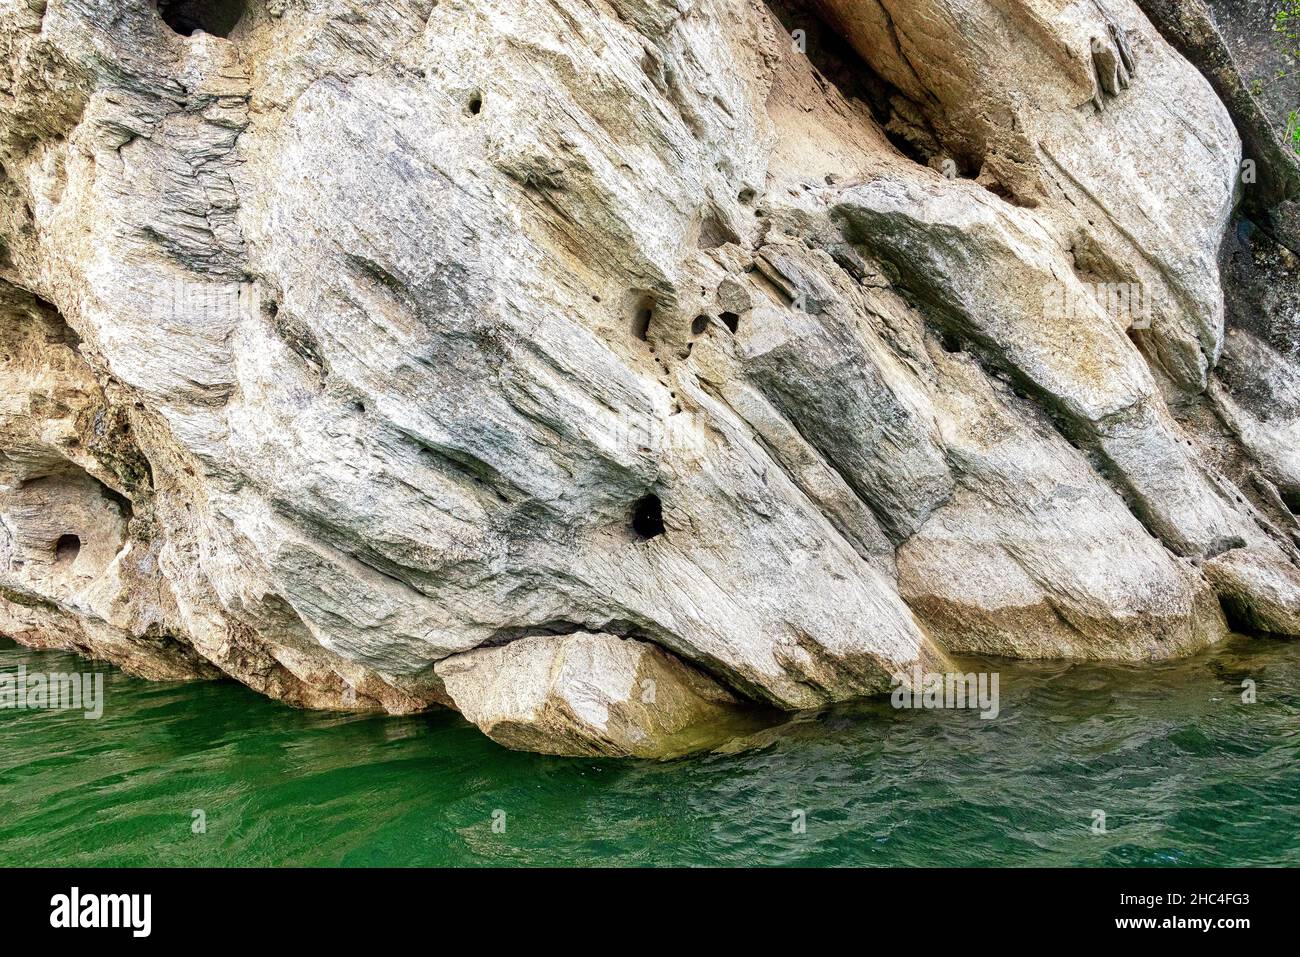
1238 47
498 355
590 694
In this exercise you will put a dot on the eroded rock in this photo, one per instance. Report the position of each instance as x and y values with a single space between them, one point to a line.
591 694
371 353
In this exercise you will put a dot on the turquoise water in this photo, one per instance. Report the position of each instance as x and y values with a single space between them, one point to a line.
1184 771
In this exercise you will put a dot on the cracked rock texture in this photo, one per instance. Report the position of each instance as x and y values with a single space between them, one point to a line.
505 355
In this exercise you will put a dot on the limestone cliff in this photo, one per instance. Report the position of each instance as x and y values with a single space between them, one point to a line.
510 355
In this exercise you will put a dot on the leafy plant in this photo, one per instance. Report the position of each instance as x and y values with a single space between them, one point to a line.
1286 24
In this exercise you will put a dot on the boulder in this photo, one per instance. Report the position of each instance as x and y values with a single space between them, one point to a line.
591 695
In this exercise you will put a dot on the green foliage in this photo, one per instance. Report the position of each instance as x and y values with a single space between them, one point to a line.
1286 24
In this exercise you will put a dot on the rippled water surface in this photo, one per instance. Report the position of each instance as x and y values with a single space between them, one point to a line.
1185 772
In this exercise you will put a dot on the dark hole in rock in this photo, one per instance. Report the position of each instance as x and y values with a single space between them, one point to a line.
830 52
642 317
699 324
648 517
217 17
951 342
475 104
1004 194
730 320
1291 498
359 407
67 548
746 196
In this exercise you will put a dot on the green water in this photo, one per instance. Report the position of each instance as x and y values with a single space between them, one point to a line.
1185 772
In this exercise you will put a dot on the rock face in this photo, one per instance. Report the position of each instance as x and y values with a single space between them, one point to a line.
589 694
503 355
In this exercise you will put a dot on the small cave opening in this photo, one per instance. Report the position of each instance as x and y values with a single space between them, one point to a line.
648 517
951 342
826 42
1006 195
66 549
699 324
474 106
730 320
1290 498
216 17
642 315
